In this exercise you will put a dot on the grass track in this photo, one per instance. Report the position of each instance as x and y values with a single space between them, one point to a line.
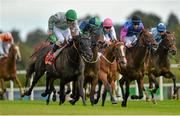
134 108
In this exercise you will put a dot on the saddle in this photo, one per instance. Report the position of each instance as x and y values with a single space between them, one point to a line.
52 58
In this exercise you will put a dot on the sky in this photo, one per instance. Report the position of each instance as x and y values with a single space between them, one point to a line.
27 15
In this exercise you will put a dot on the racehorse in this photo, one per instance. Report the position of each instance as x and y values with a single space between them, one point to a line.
91 67
158 63
108 73
8 69
134 70
81 46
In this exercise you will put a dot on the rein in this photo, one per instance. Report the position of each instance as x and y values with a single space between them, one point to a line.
107 59
82 56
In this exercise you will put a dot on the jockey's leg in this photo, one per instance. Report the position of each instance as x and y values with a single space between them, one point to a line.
58 44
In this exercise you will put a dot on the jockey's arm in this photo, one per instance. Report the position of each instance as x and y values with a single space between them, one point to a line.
123 33
52 21
75 29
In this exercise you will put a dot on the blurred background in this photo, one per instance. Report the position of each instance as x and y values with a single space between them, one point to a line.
28 20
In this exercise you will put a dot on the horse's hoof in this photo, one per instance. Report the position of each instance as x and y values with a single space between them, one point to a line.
95 101
174 97
47 102
68 91
148 99
44 94
134 97
84 104
27 93
154 101
54 98
123 104
23 95
72 102
114 102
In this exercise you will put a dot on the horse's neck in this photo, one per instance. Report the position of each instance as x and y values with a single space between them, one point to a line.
163 55
137 55
109 55
95 53
72 54
11 61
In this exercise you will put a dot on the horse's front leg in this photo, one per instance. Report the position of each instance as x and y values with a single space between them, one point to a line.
36 78
124 102
22 90
98 92
93 83
62 93
170 75
152 79
2 89
80 88
121 83
48 83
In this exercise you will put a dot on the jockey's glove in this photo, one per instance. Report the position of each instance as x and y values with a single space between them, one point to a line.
52 38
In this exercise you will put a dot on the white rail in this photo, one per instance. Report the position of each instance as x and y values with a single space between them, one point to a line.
161 85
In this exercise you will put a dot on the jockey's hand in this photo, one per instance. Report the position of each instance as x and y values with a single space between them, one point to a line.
50 33
5 55
129 45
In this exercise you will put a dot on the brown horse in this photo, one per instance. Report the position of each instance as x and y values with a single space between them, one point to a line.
135 65
158 63
8 68
112 55
92 68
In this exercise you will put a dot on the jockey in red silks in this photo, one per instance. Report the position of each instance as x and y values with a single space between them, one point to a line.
6 40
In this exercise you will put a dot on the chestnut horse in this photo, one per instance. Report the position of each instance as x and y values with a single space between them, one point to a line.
112 55
135 65
158 63
8 69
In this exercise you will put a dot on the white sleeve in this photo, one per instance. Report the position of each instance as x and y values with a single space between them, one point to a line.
113 33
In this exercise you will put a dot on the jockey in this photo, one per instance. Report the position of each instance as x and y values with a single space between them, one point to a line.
108 30
87 27
6 40
61 27
158 32
130 31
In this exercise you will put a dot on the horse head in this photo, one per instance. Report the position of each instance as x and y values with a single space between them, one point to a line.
119 52
83 46
146 39
115 50
97 37
169 42
15 52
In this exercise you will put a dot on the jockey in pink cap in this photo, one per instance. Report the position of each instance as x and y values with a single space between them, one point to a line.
108 30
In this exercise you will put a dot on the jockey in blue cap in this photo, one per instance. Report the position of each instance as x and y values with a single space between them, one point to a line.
158 32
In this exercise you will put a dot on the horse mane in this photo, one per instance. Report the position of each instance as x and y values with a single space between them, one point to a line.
39 46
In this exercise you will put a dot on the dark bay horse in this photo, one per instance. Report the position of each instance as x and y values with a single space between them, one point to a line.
134 70
8 69
108 73
83 48
158 63
91 67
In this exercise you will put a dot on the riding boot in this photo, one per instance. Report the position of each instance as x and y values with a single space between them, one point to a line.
50 56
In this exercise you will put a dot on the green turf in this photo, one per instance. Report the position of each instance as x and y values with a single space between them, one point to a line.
134 108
